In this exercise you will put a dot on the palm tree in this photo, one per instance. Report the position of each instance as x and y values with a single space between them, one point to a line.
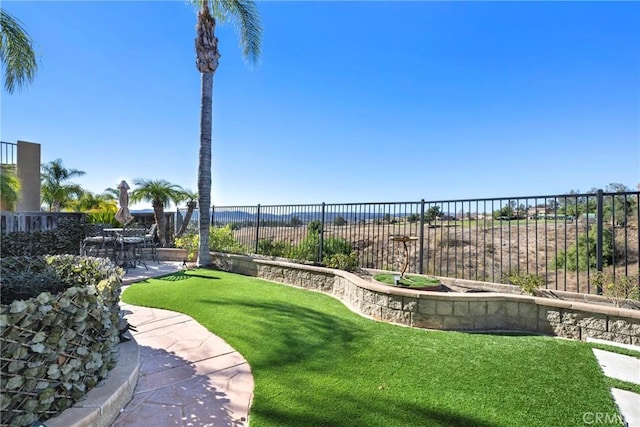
160 193
57 191
90 202
192 201
10 187
244 14
16 53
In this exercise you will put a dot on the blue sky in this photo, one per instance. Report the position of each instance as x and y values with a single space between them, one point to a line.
350 102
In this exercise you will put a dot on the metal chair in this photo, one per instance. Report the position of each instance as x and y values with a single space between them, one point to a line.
95 241
131 243
150 244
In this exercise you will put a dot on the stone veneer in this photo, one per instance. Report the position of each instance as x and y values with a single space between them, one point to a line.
486 311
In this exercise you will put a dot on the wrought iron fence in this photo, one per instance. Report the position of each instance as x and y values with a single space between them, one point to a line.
8 153
563 239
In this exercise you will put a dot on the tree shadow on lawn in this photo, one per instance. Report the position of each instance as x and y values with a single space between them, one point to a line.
307 333
184 275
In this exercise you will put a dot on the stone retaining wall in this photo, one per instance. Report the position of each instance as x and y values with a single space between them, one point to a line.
486 311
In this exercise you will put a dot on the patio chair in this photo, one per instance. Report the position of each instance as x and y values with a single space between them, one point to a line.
95 241
131 244
150 245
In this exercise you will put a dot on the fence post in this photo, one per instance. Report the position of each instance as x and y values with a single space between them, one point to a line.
257 230
212 221
421 262
599 227
319 257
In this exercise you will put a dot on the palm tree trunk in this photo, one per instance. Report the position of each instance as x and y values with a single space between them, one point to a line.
204 169
187 218
207 61
158 212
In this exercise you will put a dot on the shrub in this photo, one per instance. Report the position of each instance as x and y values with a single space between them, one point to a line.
314 227
581 256
336 245
26 277
308 249
339 221
103 218
190 243
618 289
66 239
529 283
343 261
222 239
275 248
60 343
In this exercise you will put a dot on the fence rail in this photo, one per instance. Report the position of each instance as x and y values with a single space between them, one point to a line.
563 239
11 222
8 153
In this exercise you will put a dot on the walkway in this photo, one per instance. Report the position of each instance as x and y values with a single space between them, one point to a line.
625 368
188 376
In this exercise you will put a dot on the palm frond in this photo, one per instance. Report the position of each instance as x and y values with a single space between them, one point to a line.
243 14
16 53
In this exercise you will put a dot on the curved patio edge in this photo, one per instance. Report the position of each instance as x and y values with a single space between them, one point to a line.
483 311
102 404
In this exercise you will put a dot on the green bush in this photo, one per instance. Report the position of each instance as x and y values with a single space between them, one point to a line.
275 248
529 283
308 249
103 218
581 256
343 261
67 239
60 341
314 227
190 243
339 221
619 289
336 245
221 239
27 277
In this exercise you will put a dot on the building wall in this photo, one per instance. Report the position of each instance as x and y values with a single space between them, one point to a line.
28 161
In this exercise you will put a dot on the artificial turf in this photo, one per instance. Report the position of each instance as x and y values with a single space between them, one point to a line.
316 363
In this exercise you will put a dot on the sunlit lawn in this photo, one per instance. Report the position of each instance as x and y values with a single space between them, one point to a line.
316 363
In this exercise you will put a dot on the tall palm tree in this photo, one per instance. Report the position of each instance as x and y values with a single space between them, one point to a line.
10 187
244 14
57 191
16 53
192 201
160 193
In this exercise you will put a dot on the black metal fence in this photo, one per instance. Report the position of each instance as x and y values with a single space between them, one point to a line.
8 153
563 239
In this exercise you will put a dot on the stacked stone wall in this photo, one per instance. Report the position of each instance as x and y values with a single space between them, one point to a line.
487 311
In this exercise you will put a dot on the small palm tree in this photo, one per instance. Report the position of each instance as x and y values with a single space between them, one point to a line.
57 191
90 202
16 53
160 193
244 13
10 187
192 202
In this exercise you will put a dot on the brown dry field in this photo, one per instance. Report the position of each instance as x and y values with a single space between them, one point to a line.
476 250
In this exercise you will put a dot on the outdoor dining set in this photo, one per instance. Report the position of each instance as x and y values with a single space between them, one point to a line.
127 246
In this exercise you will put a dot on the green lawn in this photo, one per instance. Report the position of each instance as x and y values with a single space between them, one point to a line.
316 363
